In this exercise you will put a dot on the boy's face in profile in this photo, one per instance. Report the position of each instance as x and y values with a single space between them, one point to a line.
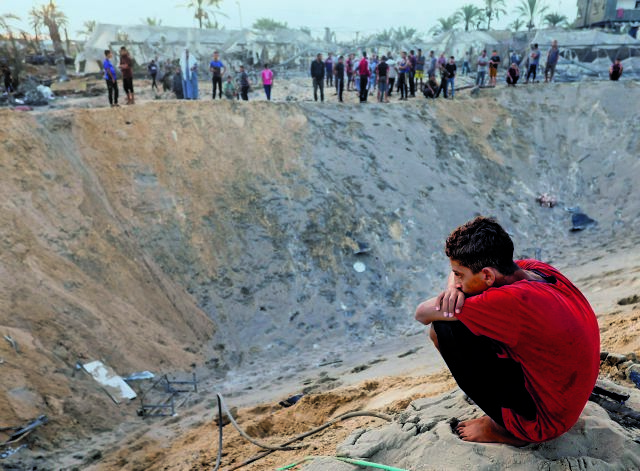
468 282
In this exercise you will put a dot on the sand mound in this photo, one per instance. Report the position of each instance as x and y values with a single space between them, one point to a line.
423 439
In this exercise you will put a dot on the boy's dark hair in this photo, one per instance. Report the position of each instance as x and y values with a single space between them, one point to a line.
107 52
481 243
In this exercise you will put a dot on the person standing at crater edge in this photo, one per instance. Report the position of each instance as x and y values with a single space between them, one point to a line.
317 76
217 69
328 64
267 81
519 338
339 73
110 78
126 67
189 69
552 61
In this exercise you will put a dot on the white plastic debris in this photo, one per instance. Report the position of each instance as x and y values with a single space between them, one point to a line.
46 92
113 384
359 267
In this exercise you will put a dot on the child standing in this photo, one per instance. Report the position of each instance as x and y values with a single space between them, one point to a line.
110 77
267 80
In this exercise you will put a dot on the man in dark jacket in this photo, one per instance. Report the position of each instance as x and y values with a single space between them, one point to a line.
339 72
176 85
317 74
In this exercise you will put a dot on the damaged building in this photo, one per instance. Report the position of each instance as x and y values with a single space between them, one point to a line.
608 13
284 47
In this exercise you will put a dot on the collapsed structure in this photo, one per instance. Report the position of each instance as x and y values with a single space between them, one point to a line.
595 13
587 53
283 46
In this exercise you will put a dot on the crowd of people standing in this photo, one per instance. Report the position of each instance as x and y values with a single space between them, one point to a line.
368 75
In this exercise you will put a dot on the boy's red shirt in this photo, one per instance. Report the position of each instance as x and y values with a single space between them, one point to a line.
552 331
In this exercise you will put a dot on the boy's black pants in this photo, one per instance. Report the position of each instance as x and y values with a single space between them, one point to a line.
112 87
491 382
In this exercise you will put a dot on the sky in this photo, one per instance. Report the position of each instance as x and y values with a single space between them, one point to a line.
345 17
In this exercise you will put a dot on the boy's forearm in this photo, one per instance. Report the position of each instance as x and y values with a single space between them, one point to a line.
428 312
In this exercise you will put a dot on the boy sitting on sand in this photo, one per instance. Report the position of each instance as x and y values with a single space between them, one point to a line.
519 338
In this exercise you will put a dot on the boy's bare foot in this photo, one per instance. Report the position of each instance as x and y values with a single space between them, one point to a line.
486 430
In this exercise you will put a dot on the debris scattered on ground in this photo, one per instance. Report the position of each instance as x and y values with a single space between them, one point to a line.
546 200
362 248
359 267
111 382
11 451
291 400
635 299
155 404
12 342
21 431
34 93
140 376
581 221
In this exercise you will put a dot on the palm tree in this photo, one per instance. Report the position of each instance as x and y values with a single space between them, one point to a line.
204 8
403 33
151 21
88 28
50 16
7 32
493 8
36 24
516 25
555 19
468 13
530 10
385 36
268 24
5 19
445 24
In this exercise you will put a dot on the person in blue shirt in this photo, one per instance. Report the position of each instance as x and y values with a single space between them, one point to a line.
217 72
534 61
111 79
